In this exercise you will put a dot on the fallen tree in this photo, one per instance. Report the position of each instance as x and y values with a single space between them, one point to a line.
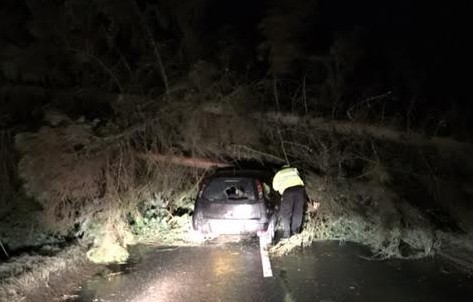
381 132
94 178
200 163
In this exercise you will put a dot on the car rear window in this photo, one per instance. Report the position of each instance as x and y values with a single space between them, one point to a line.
230 189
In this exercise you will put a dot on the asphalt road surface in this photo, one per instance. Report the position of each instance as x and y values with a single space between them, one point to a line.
327 272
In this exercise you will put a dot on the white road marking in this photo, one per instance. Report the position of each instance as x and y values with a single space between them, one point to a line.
267 271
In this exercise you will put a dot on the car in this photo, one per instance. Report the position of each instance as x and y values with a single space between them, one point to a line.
234 201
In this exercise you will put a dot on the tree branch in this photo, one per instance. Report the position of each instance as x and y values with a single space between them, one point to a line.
154 45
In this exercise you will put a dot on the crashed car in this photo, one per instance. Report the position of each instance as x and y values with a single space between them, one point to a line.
235 201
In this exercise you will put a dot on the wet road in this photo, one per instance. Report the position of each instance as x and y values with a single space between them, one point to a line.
232 272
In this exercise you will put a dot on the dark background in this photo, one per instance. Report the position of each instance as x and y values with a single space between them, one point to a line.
416 51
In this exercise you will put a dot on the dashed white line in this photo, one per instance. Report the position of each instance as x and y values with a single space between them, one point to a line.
267 271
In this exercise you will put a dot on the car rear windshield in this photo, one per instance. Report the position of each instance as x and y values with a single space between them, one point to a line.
230 189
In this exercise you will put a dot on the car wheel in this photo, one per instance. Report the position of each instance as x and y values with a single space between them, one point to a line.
195 236
200 228
195 230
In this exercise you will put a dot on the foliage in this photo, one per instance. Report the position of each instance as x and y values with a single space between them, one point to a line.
90 188
92 179
56 181
367 214
110 241
169 230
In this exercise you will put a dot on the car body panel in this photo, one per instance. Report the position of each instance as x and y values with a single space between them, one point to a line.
240 227
233 211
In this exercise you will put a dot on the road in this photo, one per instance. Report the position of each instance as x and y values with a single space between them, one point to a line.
327 272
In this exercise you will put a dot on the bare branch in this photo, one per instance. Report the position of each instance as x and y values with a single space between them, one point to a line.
154 45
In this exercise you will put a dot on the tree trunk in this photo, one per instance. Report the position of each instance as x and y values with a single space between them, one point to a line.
194 162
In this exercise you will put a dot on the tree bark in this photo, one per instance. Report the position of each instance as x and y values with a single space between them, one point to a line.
194 162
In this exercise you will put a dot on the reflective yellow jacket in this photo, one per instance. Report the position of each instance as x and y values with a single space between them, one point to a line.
286 178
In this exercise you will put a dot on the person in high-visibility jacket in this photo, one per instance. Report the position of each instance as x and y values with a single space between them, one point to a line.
290 185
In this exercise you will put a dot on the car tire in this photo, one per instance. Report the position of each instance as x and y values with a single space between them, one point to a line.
199 230
195 236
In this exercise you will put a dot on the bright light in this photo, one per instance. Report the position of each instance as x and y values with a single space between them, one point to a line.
223 264
243 211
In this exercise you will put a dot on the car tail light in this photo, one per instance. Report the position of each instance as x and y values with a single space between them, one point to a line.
259 187
202 188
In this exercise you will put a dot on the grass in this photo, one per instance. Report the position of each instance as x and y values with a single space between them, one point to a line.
111 239
174 231
21 274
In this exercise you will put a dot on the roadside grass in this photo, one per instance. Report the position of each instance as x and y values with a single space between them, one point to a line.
21 274
20 226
